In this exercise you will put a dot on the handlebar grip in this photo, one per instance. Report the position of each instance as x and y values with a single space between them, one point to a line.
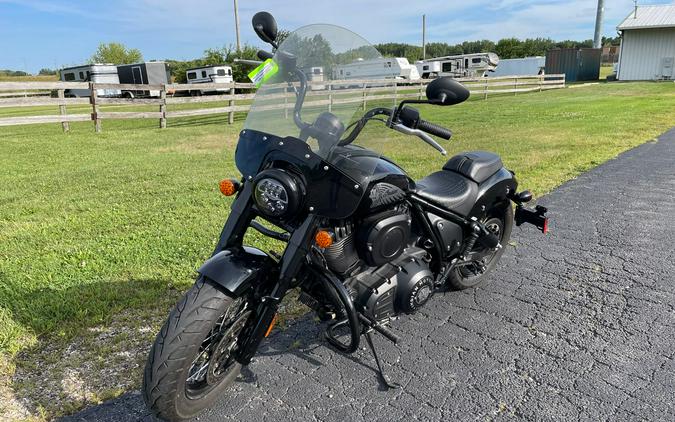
435 130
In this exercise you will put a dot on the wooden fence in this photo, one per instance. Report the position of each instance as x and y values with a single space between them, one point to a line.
237 96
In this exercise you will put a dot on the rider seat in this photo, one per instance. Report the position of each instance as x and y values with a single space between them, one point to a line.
456 187
476 165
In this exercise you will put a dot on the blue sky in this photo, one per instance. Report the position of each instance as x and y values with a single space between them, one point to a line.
55 33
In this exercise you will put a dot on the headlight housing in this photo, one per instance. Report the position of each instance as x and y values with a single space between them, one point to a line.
276 193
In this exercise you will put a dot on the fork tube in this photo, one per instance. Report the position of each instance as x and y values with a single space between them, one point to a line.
291 263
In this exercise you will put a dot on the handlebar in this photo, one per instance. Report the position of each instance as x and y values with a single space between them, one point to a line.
434 129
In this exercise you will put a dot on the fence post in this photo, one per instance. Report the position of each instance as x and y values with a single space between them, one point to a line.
395 93
230 116
330 97
485 89
541 82
62 109
515 86
162 107
94 107
419 95
285 103
364 95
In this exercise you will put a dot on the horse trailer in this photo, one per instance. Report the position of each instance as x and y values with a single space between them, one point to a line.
147 73
98 73
209 74
460 66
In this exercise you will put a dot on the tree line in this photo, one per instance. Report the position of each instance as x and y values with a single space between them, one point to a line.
506 48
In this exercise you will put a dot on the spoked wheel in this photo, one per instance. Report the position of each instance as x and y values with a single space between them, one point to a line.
473 274
216 358
193 358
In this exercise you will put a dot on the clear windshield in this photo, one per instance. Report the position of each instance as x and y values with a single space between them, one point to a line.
346 76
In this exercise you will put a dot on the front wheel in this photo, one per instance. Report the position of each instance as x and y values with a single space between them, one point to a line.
192 360
500 222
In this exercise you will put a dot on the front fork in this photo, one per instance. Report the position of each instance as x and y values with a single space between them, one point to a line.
291 262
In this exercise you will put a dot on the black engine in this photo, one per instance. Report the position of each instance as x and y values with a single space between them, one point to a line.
376 257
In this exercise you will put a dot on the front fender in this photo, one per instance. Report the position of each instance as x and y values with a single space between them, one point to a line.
238 269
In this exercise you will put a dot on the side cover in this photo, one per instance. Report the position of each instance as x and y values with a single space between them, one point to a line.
236 270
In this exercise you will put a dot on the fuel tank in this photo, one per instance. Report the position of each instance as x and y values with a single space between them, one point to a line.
368 168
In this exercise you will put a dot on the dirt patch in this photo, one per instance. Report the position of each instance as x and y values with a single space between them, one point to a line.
57 378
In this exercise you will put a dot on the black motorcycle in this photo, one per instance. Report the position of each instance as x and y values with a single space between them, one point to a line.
364 242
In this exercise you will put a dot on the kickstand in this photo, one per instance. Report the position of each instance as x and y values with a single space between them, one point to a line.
383 377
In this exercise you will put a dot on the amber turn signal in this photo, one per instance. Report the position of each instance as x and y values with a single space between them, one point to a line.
323 239
228 187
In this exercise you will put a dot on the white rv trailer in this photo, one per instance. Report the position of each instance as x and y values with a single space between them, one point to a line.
209 74
314 75
380 68
527 66
460 66
99 73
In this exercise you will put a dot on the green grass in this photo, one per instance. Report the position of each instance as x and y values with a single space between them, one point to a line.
94 225
29 78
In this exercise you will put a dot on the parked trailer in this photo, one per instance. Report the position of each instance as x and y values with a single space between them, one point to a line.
380 68
460 66
516 67
147 73
209 74
98 73
314 75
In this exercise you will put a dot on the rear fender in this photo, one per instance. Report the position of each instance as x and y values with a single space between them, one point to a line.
494 192
238 269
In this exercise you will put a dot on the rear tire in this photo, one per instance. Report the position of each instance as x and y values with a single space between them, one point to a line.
460 278
180 343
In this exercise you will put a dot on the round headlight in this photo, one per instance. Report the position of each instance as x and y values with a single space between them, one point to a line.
271 197
276 193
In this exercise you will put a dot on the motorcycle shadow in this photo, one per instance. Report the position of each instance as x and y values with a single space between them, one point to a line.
301 347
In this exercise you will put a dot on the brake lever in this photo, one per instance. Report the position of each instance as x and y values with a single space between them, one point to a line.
420 134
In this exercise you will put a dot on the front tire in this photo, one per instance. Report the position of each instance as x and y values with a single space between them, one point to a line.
192 359
465 277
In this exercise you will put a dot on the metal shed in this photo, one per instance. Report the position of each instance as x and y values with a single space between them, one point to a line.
578 64
647 44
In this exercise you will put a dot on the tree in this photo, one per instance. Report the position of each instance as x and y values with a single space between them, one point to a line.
116 53
282 34
214 56
47 71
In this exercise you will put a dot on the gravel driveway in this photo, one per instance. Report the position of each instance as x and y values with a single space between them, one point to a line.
575 325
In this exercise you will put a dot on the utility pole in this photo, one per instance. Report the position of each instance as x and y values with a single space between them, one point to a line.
236 24
597 41
635 13
424 37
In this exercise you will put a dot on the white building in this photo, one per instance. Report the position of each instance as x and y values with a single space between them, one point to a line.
647 44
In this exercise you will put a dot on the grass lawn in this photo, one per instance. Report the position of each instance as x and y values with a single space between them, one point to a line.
100 233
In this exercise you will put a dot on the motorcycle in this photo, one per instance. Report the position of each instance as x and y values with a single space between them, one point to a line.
364 242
